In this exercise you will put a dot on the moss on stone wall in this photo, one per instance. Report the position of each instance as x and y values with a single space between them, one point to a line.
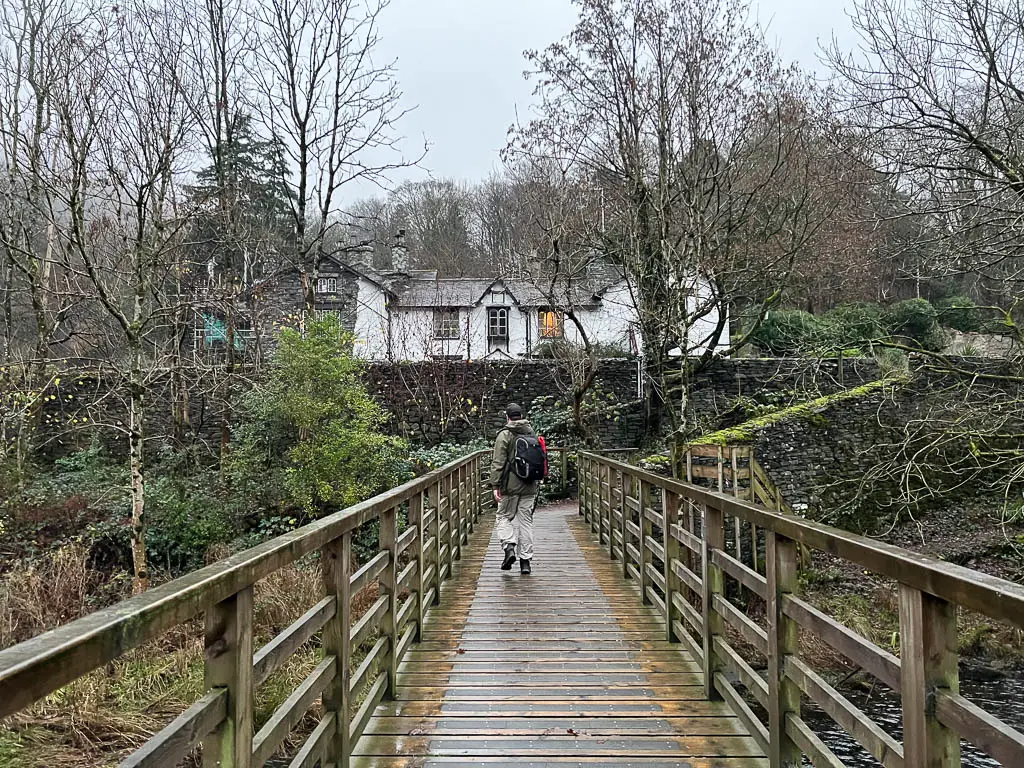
811 412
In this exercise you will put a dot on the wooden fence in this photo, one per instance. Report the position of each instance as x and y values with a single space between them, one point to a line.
441 509
670 538
733 469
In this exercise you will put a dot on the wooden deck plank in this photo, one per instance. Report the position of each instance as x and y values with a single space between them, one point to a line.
628 708
612 725
554 668
549 762
553 746
547 665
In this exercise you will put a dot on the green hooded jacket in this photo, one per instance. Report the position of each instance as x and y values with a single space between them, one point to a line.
513 485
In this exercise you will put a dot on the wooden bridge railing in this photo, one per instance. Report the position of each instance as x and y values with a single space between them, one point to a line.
441 507
670 537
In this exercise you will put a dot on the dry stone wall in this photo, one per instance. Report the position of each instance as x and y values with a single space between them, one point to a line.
450 401
821 460
458 401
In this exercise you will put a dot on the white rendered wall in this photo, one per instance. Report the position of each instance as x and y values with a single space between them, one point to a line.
411 330
371 328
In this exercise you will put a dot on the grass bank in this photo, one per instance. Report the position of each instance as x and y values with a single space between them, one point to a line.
102 717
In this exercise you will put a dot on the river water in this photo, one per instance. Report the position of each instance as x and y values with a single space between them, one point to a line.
1003 698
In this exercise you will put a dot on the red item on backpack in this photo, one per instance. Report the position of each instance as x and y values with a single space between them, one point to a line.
544 447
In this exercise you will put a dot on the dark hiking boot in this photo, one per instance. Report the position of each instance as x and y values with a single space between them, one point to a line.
510 557
524 567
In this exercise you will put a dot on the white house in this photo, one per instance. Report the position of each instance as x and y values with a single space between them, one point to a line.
416 315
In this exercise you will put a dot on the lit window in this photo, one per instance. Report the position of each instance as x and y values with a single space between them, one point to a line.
446 323
497 323
551 324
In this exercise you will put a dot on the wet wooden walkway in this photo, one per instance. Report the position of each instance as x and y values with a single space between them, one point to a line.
563 667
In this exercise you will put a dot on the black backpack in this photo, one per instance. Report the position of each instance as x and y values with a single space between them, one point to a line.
527 458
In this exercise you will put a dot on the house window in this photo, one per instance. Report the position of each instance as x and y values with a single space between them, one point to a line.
327 285
497 323
328 314
551 324
446 324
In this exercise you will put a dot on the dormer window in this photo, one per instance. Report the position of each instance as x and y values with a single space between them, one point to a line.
327 285
497 324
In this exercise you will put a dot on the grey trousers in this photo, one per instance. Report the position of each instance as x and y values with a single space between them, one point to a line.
515 523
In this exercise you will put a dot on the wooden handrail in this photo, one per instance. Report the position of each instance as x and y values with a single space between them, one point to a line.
701 580
449 499
996 598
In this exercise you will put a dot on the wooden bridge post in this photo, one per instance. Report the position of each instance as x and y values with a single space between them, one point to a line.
228 662
616 487
670 508
584 485
470 506
928 659
627 491
610 477
419 552
475 470
454 522
388 582
595 493
738 523
643 494
336 562
603 478
434 494
460 517
467 482
481 487
783 640
713 585
444 498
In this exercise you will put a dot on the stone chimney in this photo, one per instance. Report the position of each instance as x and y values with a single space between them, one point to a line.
360 255
399 253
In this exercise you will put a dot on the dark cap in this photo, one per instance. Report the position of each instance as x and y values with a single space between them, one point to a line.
514 411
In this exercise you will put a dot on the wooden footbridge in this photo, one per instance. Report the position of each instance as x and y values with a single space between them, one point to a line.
644 637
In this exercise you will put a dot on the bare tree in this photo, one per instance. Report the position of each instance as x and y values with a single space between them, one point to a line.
332 105
552 247
125 133
935 91
437 217
36 52
685 119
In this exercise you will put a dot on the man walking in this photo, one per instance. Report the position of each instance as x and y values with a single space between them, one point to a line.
517 467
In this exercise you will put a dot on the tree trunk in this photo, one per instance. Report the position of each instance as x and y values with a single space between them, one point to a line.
8 308
136 436
229 394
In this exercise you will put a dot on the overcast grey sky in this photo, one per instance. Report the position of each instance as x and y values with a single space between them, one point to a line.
460 64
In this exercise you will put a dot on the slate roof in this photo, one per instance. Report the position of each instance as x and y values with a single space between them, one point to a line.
468 292
424 289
